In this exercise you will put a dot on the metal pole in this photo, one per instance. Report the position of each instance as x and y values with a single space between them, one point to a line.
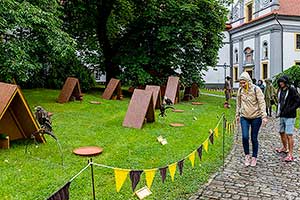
93 181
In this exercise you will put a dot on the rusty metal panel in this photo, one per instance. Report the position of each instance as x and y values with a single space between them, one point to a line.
70 88
7 91
114 86
16 119
9 127
140 109
195 90
172 90
156 95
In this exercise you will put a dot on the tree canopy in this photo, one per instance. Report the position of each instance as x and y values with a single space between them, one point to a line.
141 42
34 48
146 41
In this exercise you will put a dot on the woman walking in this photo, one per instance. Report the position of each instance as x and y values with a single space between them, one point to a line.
250 112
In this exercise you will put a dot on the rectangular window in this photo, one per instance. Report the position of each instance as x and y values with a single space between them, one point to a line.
235 74
265 71
298 41
297 63
249 11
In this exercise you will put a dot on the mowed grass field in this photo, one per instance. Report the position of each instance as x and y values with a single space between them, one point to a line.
39 173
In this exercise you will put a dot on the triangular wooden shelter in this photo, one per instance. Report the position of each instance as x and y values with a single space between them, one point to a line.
156 95
195 90
71 89
16 118
172 90
191 92
140 109
113 87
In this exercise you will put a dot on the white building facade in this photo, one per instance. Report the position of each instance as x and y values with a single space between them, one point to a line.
264 38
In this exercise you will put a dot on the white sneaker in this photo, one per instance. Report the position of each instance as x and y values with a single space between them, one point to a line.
253 162
247 160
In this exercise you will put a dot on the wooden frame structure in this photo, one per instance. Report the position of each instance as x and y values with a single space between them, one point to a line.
172 90
191 92
70 89
156 95
113 87
140 109
16 118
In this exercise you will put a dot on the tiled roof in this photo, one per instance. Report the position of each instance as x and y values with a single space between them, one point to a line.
287 8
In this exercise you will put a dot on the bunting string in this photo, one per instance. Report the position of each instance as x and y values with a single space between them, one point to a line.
82 170
122 174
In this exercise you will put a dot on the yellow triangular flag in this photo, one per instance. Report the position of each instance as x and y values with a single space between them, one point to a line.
227 127
150 173
120 177
205 145
172 170
192 158
216 131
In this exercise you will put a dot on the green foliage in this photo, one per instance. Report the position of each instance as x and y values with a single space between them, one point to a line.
151 40
293 73
39 173
33 42
174 35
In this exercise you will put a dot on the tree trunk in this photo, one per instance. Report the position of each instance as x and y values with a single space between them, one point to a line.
104 8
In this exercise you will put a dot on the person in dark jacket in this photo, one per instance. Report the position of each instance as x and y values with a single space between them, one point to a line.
260 84
288 102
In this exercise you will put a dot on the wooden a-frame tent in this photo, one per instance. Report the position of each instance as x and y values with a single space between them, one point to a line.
16 118
70 89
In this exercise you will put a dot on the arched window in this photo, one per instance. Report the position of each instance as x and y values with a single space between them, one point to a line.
236 56
265 50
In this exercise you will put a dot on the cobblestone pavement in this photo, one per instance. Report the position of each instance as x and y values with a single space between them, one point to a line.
270 179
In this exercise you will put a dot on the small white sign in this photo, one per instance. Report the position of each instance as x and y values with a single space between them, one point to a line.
143 192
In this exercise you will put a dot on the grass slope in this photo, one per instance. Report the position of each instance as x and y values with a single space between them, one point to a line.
39 173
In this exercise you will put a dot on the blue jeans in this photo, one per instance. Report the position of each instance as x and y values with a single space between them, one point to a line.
255 126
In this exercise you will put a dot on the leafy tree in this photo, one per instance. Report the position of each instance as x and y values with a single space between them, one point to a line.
33 42
146 41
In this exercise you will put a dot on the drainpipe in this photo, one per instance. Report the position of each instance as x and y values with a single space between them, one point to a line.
231 57
281 28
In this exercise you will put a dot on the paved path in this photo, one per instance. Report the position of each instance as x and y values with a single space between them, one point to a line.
215 95
270 179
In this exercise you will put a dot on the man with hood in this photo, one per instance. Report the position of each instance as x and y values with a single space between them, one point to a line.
288 102
250 112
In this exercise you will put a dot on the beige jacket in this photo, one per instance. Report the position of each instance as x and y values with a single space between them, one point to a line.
250 104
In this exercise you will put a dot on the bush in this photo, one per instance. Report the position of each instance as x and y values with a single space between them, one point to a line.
53 77
293 73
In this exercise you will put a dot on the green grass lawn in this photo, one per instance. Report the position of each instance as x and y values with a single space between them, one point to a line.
217 92
38 174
